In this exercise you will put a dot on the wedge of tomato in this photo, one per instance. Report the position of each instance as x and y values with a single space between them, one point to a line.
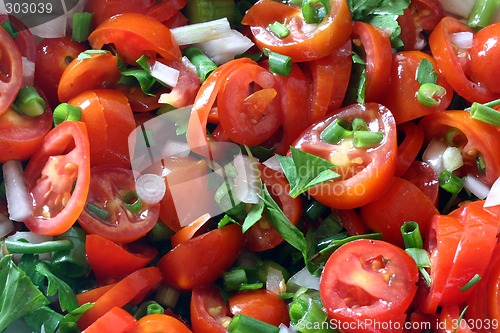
408 149
58 178
25 41
482 54
11 71
301 44
425 178
159 323
209 311
116 320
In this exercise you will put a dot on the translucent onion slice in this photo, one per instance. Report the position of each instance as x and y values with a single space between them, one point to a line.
150 188
19 201
493 198
201 32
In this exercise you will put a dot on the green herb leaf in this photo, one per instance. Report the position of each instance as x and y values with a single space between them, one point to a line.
76 314
304 170
43 317
18 295
253 216
146 81
426 72
88 54
225 220
66 296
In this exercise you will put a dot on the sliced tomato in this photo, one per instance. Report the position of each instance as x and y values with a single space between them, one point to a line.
99 70
408 30
159 323
485 49
202 259
111 260
25 41
116 320
209 312
409 148
351 221
107 209
11 71
58 178
367 280
92 295
427 14
425 178
450 320
134 35
365 172
301 44
109 121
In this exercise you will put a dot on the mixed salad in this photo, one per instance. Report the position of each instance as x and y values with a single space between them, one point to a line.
251 166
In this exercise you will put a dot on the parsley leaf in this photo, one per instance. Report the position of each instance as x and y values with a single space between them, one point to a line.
253 216
304 170
146 81
67 298
88 54
426 72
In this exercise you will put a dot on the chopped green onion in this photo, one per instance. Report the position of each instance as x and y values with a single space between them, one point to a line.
485 114
336 131
263 270
167 296
208 10
422 260
160 232
155 308
72 262
234 278
481 164
491 104
450 182
279 64
367 139
19 246
7 25
204 65
475 279
82 26
429 94
411 235
66 112
245 324
314 210
482 13
314 11
359 124
308 314
29 102
454 137
279 29
68 327
132 202
251 286
97 211
143 309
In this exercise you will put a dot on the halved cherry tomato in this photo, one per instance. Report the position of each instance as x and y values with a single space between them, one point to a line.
249 115
116 220
209 312
330 34
109 121
202 259
403 201
365 172
58 178
351 221
451 66
136 285
450 320
426 13
159 323
408 30
11 71
189 231
53 55
425 178
368 280
116 320
378 50
401 94
111 260
486 48
410 147
260 304
134 35
262 236
92 295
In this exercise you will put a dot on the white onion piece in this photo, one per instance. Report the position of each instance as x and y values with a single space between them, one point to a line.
6 226
186 62
433 155
165 74
493 198
246 183
201 32
272 163
224 49
32 238
150 188
476 187
28 72
304 278
175 148
286 329
462 40
19 202
452 159
274 281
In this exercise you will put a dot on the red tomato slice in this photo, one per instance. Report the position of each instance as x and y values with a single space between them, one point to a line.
58 178
365 173
25 41
116 320
184 92
134 35
426 13
351 221
202 259
92 295
367 280
209 312
410 147
109 188
159 323
425 178
330 34
11 71
450 321
484 52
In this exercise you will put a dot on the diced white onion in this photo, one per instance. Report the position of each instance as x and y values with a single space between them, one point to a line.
493 198
304 278
19 202
433 155
476 187
462 40
224 49
175 148
28 72
286 329
150 188
6 226
274 281
186 62
246 183
452 159
32 238
165 74
201 32
272 163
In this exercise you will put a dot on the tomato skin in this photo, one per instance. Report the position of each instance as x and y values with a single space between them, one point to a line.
50 176
209 312
202 259
359 184
425 178
11 73
159 323
486 48
108 187
328 36
410 147
354 285
134 35
260 304
116 320
25 41
53 55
